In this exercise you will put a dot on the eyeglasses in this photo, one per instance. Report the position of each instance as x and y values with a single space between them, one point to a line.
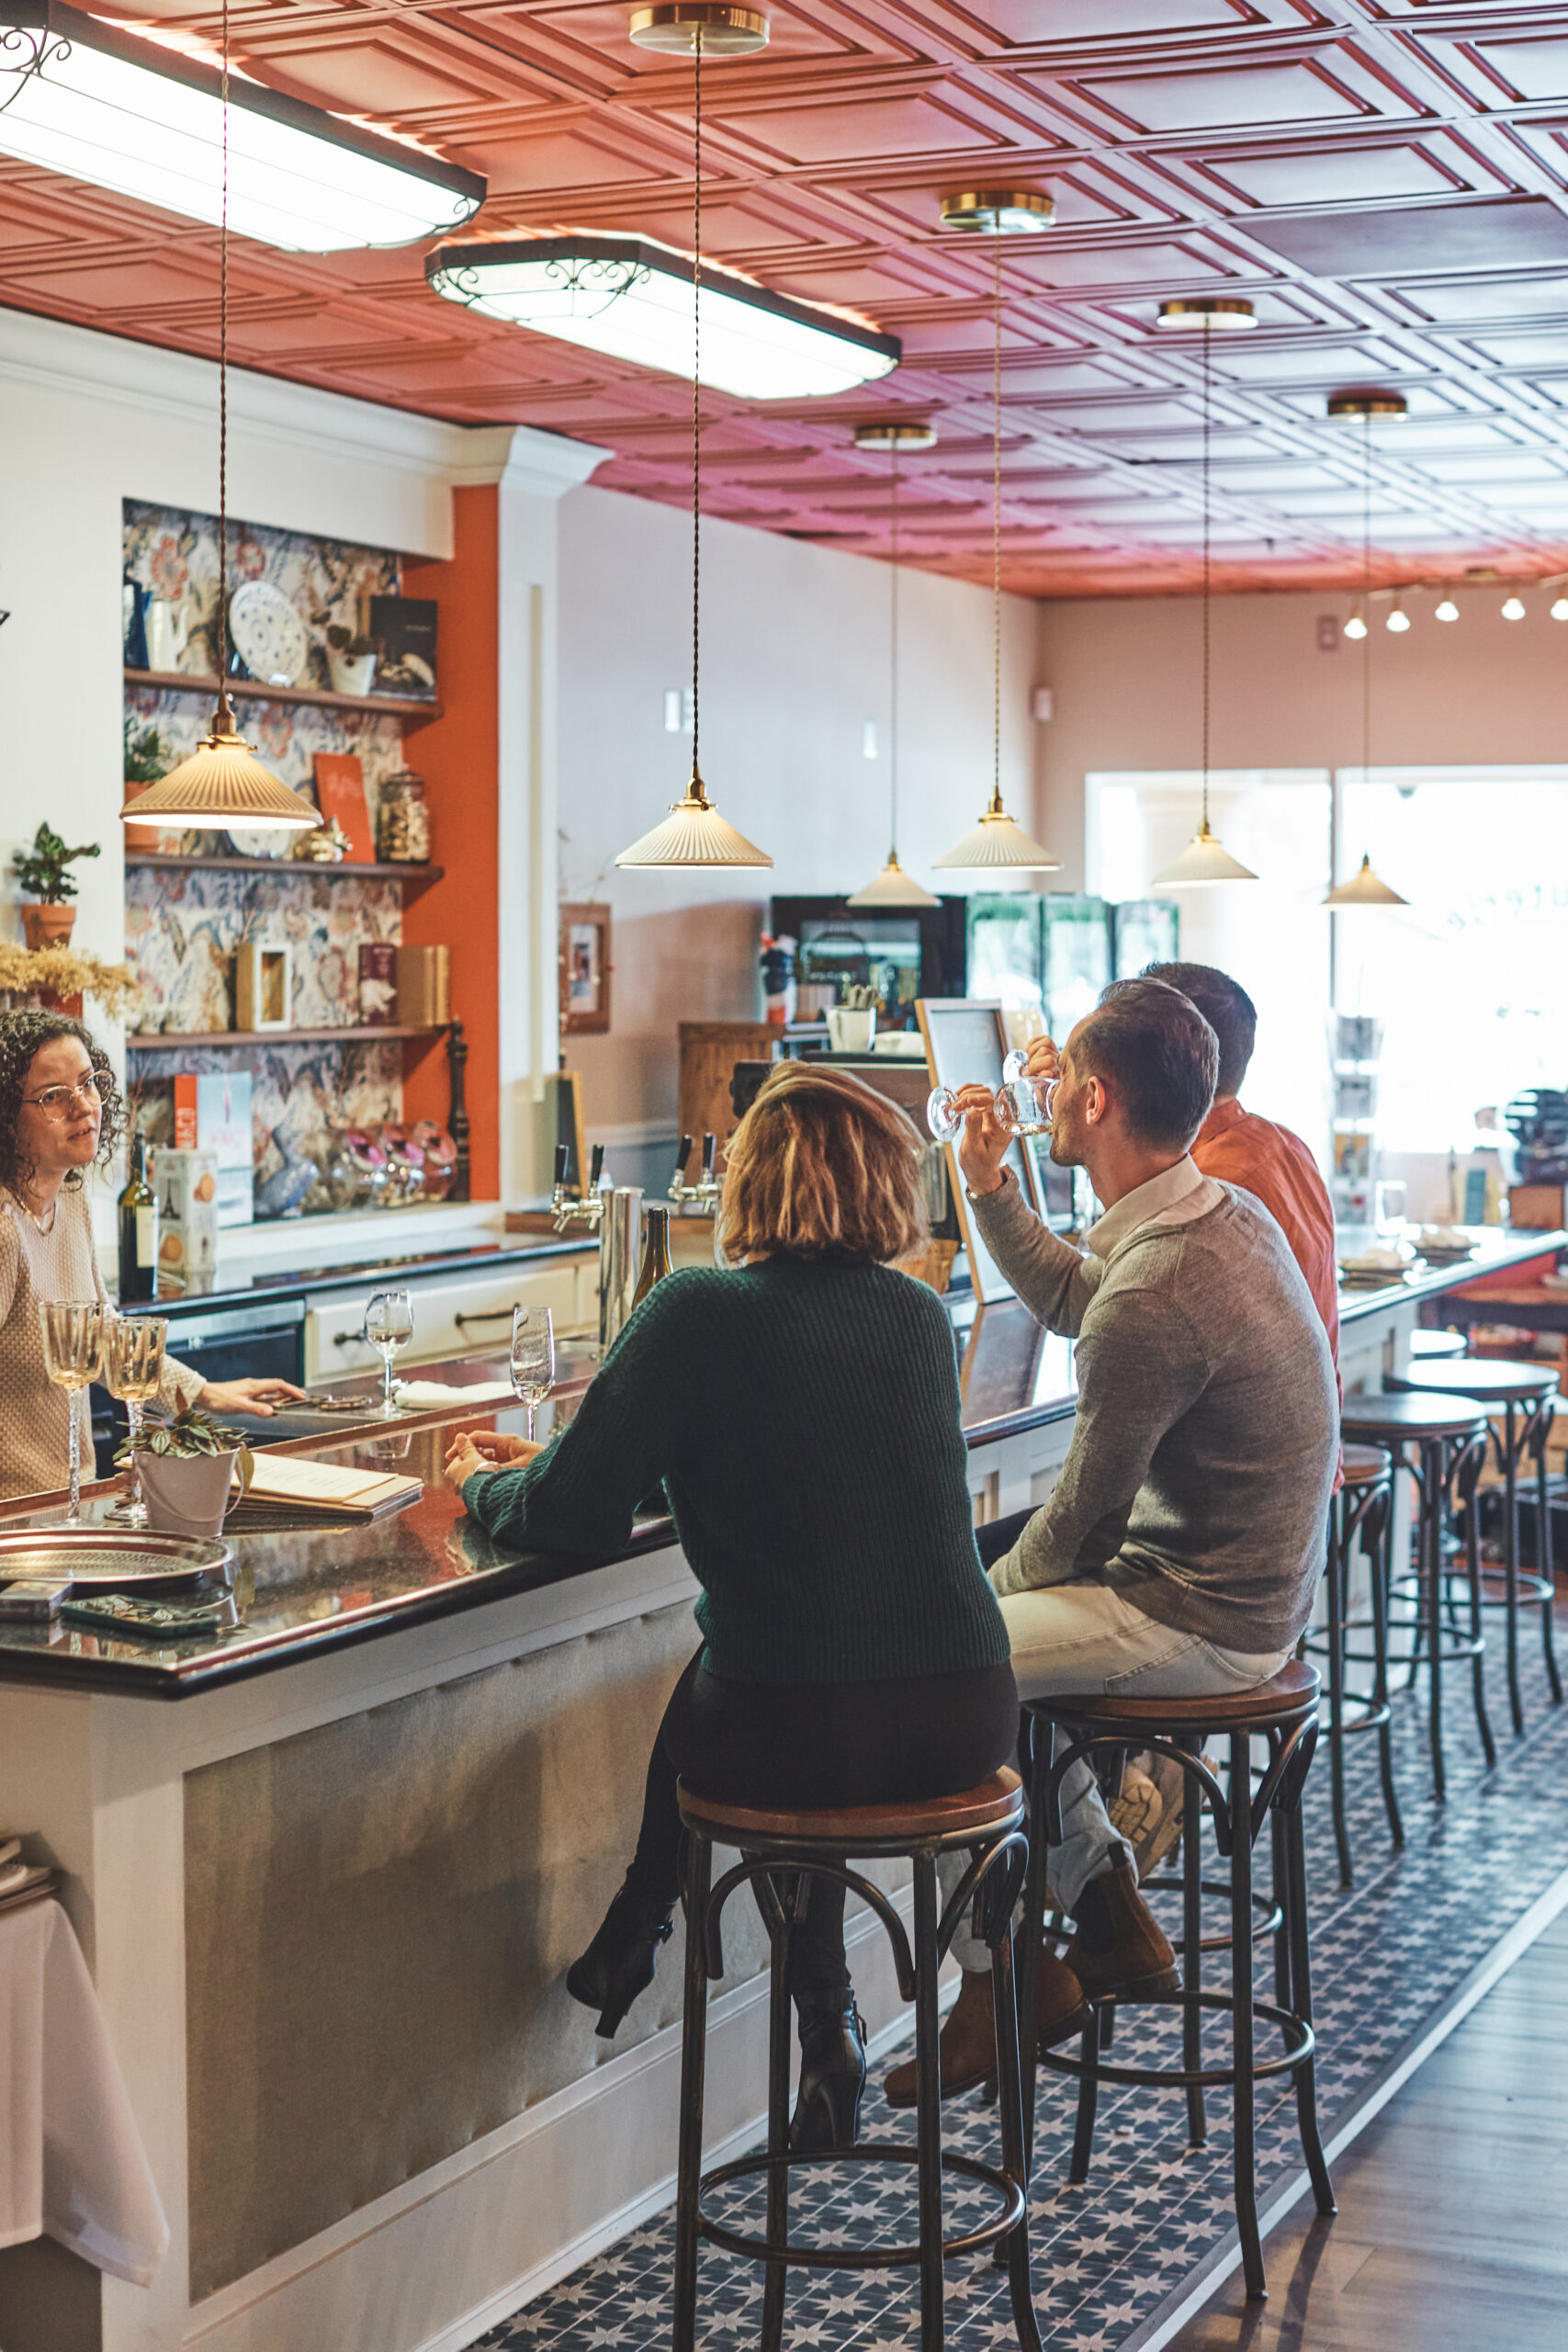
55 1101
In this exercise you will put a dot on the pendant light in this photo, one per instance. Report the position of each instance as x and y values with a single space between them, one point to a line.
222 784
695 833
997 845
1365 889
893 887
1205 858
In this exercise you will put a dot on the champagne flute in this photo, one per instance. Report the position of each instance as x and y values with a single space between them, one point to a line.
532 1357
389 1327
1023 1105
72 1332
134 1371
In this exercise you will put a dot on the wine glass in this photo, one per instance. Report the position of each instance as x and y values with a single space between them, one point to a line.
1023 1105
72 1332
134 1371
389 1327
532 1357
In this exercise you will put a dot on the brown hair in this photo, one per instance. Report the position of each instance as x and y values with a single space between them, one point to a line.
1157 1053
1226 1006
22 1035
822 1166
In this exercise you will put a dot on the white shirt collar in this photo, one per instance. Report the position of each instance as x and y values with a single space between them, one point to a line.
1175 1197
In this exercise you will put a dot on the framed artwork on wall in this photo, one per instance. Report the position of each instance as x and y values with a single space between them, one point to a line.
584 969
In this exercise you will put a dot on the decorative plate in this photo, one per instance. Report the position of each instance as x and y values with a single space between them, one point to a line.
260 840
269 635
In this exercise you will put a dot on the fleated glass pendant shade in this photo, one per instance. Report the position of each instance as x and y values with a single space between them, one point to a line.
693 834
998 846
893 888
221 784
1205 860
1364 889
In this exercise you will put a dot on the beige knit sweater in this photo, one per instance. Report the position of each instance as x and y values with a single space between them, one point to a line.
35 1429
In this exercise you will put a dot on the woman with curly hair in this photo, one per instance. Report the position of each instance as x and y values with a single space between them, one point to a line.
60 1113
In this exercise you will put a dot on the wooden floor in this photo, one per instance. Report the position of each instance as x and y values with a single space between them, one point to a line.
1453 2231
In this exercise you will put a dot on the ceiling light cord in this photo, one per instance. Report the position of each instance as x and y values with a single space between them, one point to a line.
224 721
893 666
1367 592
697 415
1207 390
996 539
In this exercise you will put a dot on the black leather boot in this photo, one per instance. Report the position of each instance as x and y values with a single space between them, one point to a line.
619 1963
832 2073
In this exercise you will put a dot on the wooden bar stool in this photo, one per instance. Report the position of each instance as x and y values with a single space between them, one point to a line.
1362 1512
1430 1436
1284 1711
781 1854
1527 1398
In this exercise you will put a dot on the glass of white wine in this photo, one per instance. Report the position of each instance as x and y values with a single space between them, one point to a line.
134 1371
72 1332
389 1327
532 1357
1023 1105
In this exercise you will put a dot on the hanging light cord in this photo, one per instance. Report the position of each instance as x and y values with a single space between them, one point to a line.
1367 590
892 671
223 722
997 538
696 785
1207 390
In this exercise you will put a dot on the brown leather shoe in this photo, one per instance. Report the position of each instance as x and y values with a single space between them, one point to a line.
1060 2010
967 2047
1119 1947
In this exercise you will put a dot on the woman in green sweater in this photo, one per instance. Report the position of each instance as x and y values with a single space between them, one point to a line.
801 1409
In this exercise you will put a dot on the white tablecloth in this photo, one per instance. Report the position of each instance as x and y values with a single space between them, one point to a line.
72 2160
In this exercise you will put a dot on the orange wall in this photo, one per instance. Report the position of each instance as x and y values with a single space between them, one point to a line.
458 755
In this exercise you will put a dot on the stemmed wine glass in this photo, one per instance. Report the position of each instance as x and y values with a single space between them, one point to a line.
532 1357
134 1371
1023 1105
389 1327
72 1332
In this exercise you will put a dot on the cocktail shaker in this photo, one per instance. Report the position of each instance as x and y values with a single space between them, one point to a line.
620 1258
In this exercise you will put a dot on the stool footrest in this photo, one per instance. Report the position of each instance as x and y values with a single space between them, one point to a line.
1300 2044
846 2257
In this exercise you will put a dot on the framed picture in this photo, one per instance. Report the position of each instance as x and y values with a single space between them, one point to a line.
584 969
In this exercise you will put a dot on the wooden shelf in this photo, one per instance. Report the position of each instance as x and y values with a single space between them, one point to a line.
413 877
253 690
373 1033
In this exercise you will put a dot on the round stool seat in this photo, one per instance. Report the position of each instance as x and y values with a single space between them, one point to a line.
1489 1382
994 1805
1401 1419
1364 1465
1293 1691
1431 1347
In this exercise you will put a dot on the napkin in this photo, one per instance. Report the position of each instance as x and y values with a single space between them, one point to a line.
430 1396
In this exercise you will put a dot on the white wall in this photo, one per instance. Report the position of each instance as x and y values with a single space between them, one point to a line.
795 659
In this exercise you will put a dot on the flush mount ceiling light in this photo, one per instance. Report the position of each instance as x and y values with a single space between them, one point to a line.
81 98
695 833
1364 889
1205 858
997 845
222 784
1367 408
893 887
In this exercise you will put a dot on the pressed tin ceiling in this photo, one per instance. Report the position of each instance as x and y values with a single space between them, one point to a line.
1385 180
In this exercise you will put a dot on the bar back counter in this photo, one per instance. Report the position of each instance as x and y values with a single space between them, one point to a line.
328 1891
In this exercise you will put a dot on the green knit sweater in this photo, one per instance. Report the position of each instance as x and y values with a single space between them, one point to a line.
804 1418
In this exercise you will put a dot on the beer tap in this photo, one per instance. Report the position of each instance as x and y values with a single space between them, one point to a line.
701 1199
569 1209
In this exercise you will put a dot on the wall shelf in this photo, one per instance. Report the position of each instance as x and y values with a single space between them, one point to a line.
372 1032
413 713
412 877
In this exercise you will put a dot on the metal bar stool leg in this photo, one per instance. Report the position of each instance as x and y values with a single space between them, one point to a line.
1379 1564
1241 2014
1430 1553
1544 1563
693 2059
1010 2095
1477 1622
1192 1950
790 1893
1042 1743
928 2098
1301 1985
1337 1582
1511 1560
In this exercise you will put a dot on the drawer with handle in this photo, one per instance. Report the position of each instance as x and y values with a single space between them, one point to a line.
450 1318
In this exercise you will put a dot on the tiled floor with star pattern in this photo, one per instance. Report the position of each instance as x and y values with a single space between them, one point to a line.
1386 1956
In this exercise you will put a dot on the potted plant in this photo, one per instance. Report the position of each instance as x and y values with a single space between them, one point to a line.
146 759
351 659
186 1468
43 871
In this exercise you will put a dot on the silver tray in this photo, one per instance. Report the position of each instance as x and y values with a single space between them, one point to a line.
113 1559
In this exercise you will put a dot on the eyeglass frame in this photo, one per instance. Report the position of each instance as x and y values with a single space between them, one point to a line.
53 1098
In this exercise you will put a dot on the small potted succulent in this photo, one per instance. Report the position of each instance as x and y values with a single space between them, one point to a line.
351 660
146 762
41 871
187 1469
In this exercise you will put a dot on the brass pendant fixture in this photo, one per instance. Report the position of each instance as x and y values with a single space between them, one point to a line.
1366 408
893 887
222 784
997 844
1205 858
695 833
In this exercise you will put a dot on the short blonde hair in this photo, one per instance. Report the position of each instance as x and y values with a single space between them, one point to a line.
822 1165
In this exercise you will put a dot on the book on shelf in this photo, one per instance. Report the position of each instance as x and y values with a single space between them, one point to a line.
293 1488
424 986
340 793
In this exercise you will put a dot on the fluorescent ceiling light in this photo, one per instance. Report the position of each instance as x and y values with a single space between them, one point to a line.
147 122
632 299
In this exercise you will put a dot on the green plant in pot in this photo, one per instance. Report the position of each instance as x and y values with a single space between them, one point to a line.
41 871
147 762
186 1471
351 659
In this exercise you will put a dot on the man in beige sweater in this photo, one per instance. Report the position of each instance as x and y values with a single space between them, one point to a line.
1179 1552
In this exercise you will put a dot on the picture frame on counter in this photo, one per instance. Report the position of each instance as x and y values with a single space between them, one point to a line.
585 969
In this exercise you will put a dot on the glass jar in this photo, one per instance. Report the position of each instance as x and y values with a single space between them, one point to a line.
402 821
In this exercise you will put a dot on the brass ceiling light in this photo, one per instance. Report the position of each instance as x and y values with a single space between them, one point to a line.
1205 858
893 887
1366 408
695 833
997 845
222 784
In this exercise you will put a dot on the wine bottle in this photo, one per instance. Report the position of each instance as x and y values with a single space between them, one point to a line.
138 1230
656 1255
